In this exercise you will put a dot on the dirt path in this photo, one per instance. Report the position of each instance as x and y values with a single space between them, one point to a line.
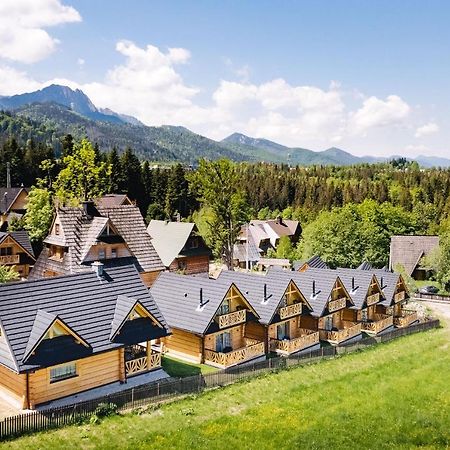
441 310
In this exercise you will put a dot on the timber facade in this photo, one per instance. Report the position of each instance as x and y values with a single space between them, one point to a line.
16 252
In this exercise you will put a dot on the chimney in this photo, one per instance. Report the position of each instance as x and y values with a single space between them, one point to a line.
89 209
97 267
5 201
314 288
279 220
8 175
353 283
265 292
202 303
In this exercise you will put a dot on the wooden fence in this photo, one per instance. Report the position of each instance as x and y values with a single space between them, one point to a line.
432 297
162 390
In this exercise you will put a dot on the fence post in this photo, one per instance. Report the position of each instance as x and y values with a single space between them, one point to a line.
132 397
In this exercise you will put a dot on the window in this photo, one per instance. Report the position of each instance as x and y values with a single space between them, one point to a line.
6 251
224 307
364 315
182 264
101 253
194 242
329 323
114 253
63 372
57 229
223 342
283 331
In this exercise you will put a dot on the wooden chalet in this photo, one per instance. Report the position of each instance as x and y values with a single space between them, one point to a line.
180 246
367 294
280 305
80 235
212 321
16 251
64 335
330 302
13 202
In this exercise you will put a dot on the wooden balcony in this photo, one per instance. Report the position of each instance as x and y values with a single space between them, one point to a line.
137 361
351 329
372 299
290 311
307 338
380 322
334 305
233 318
406 319
399 296
9 259
237 356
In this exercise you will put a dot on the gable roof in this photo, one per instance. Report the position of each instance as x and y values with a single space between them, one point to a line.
169 238
79 233
315 262
8 197
22 238
178 297
111 200
84 302
388 282
408 250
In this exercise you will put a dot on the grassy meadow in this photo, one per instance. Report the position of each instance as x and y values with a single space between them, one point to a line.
394 395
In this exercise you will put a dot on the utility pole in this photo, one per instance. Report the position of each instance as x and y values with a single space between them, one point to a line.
8 175
247 262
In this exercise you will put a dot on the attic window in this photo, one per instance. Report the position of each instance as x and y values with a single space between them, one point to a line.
6 251
57 229
194 243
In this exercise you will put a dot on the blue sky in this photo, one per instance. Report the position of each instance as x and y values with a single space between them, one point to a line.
369 77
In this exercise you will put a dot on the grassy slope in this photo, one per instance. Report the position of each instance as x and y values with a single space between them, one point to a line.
177 368
394 395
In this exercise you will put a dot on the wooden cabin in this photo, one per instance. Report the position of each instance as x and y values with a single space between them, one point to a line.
16 251
280 305
180 246
13 203
115 236
366 292
64 335
212 321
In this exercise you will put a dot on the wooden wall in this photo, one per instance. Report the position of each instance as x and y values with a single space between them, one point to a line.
184 345
237 337
121 249
149 277
92 372
308 322
194 265
13 387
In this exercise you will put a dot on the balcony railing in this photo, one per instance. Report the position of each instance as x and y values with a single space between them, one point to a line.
10 259
235 356
136 360
351 329
307 339
399 296
233 318
290 311
380 323
334 305
406 319
372 299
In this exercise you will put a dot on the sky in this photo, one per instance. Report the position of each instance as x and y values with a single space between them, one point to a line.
370 77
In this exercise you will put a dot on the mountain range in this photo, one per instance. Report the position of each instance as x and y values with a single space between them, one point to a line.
58 110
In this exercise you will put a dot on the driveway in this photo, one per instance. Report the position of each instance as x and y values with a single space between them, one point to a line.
440 310
7 410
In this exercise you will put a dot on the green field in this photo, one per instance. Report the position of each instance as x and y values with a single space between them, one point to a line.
395 395
176 368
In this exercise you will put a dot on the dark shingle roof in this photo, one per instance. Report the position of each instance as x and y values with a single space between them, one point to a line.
365 265
315 262
112 200
7 197
84 302
21 237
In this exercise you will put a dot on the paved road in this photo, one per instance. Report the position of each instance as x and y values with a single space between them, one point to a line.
441 310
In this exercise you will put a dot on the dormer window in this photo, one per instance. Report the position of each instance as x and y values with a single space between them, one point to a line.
101 253
194 242
57 229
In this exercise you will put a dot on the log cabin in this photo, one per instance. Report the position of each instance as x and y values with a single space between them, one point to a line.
180 246
212 322
16 251
80 235
330 301
64 335
13 203
367 294
280 305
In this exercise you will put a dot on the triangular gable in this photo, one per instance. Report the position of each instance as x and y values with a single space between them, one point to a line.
14 200
44 325
337 305
421 255
15 241
127 308
379 288
6 347
242 297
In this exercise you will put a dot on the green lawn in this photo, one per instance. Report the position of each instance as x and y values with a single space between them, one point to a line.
177 368
394 395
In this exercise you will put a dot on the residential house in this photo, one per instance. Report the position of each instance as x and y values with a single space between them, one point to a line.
112 200
16 251
64 335
211 320
13 203
180 246
80 235
330 302
409 251
280 305
315 262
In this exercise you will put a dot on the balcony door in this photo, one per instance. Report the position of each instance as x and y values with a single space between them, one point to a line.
283 331
329 322
223 342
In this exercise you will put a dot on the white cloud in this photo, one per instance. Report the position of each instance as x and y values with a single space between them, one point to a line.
427 129
81 62
13 81
376 113
22 27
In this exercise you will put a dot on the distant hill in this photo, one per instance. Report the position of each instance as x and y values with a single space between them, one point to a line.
432 161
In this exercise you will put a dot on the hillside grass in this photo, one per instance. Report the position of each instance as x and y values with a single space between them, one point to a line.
177 368
394 395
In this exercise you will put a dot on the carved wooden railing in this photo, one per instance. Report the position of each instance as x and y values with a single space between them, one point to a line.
372 299
351 329
334 305
406 319
235 356
380 323
142 364
10 259
233 318
290 311
399 296
309 338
